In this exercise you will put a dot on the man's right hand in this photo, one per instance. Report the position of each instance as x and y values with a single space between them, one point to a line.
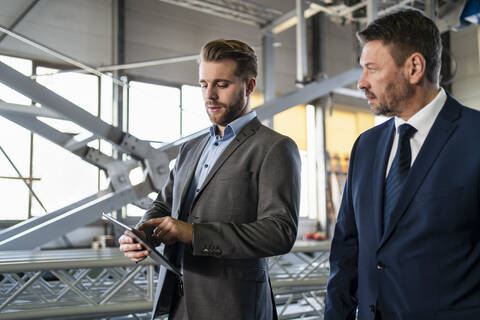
132 249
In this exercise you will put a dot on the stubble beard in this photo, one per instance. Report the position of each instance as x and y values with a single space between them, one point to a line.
394 99
230 111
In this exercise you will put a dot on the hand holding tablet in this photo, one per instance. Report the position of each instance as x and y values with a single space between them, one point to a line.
139 237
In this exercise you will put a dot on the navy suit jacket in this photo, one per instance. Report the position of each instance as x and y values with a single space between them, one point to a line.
426 265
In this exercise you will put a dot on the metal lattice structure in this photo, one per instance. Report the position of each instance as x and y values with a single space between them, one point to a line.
299 280
243 11
96 284
74 283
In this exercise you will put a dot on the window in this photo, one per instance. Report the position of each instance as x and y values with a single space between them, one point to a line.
194 116
15 143
153 115
65 177
154 112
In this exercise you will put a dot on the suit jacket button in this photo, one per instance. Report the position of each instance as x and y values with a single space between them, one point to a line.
371 308
205 250
380 265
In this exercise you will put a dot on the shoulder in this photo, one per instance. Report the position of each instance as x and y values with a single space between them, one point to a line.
193 143
374 133
467 118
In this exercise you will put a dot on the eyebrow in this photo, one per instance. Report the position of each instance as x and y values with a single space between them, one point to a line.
216 80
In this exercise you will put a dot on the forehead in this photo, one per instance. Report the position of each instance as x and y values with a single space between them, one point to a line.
223 69
375 52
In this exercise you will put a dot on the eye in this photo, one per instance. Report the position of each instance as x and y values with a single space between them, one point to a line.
222 84
203 85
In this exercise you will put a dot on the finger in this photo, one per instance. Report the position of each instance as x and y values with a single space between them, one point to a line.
131 247
136 255
169 236
165 227
125 239
151 223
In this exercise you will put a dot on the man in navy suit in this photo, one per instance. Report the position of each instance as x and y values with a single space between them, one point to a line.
407 238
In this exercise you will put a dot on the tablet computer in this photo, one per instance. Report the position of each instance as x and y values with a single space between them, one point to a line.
154 254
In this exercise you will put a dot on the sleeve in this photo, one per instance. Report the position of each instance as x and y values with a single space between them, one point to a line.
162 205
341 301
275 230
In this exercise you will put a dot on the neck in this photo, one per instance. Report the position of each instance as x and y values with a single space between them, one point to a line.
220 130
422 96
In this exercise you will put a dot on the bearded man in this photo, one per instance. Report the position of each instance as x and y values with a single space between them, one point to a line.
407 241
231 200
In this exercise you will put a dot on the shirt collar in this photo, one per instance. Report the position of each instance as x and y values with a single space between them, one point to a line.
424 118
234 127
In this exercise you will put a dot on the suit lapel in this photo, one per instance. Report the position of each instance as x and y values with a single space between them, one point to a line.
192 166
442 129
249 129
379 168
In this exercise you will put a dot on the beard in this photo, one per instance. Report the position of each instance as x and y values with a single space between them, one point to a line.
393 100
229 112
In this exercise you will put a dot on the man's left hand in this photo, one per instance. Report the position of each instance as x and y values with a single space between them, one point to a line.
169 230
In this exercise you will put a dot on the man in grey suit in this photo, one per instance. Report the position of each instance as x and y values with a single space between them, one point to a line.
231 200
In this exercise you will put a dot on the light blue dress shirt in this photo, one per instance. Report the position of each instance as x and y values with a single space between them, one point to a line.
212 151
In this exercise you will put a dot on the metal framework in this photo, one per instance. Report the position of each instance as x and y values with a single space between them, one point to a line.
154 162
94 283
73 283
243 11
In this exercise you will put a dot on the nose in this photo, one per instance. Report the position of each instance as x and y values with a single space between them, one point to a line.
362 82
212 93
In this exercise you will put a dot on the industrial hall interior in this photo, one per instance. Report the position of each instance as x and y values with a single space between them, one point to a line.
102 104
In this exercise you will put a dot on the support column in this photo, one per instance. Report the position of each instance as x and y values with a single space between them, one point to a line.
430 9
322 183
301 38
268 64
372 10
118 57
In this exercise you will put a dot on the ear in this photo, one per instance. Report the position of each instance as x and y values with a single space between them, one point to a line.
251 83
415 68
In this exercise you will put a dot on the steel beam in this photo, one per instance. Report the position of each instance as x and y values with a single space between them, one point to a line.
55 227
242 11
307 94
24 110
20 17
49 99
30 223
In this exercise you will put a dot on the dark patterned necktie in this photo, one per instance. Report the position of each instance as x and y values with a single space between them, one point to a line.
398 172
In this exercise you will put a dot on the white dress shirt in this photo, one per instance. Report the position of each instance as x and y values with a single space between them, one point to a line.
422 121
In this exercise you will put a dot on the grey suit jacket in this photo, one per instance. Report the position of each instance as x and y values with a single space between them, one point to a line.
246 210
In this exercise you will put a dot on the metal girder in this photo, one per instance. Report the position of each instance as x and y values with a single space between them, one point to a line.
20 17
24 110
242 11
30 223
53 227
308 93
102 282
154 162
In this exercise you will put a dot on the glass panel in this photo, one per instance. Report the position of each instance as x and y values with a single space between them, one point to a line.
66 178
194 116
154 112
15 141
